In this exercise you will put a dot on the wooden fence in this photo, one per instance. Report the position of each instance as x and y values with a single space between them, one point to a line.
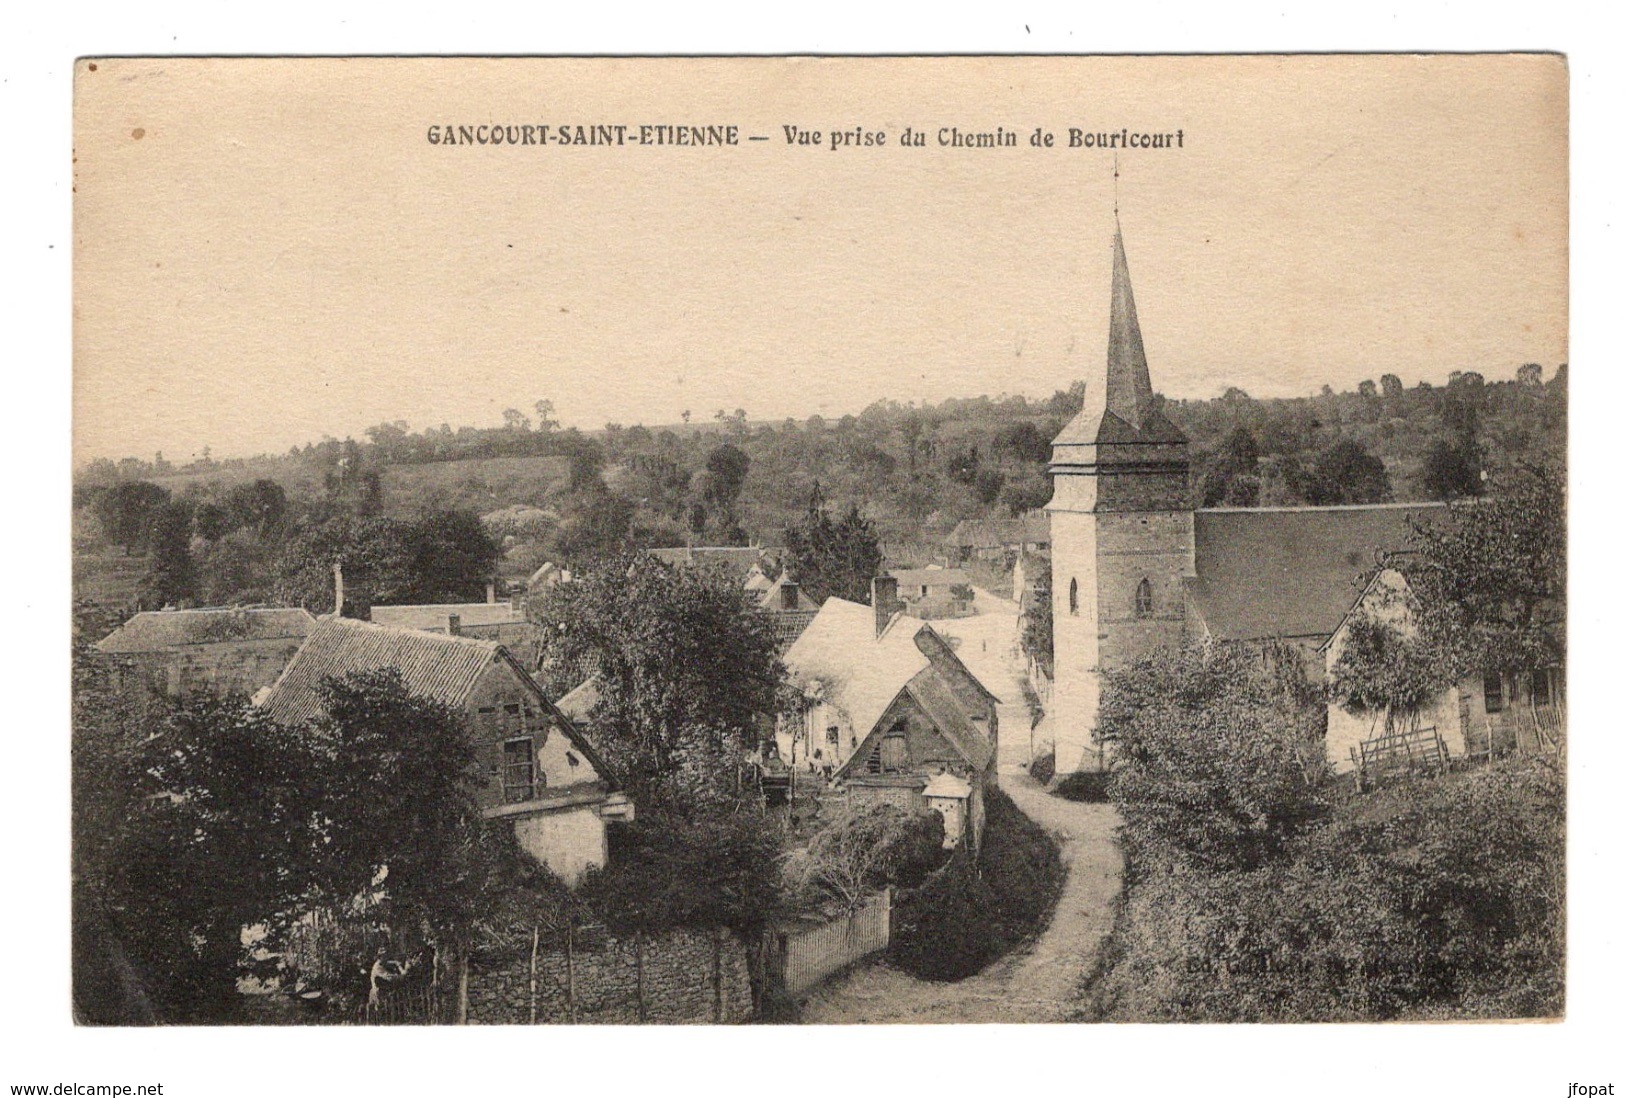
1403 751
806 956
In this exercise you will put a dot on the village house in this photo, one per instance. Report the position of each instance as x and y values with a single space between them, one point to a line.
888 710
934 592
1479 716
790 608
999 539
1135 567
504 622
542 775
220 650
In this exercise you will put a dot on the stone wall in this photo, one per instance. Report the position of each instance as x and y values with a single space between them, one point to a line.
679 983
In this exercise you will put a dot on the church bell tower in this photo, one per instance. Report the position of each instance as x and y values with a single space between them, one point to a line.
1121 531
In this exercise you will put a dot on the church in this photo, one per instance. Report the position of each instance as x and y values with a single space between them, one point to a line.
1136 567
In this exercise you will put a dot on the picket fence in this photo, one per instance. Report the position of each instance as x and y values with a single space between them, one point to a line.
808 955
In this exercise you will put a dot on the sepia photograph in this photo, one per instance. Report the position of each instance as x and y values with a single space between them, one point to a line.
819 540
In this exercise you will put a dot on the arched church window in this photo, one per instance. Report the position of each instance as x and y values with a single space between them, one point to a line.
1072 596
1142 599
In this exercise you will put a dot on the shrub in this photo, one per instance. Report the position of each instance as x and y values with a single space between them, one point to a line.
667 872
1089 786
979 906
1042 768
947 929
1219 753
1442 898
859 852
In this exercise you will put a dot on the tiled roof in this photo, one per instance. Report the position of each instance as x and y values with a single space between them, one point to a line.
788 625
155 630
929 577
936 697
431 664
1291 571
1030 528
433 616
860 675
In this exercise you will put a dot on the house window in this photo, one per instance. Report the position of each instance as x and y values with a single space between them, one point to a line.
1492 692
1072 596
1540 688
518 770
1142 599
894 752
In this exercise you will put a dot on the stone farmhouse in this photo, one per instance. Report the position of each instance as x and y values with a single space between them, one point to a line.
1479 716
891 713
543 776
1136 567
220 650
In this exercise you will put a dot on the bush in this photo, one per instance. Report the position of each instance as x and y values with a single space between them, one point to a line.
666 872
1089 786
978 907
1438 899
1042 768
947 929
1218 753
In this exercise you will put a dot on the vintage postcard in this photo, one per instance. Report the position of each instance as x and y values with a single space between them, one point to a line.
819 540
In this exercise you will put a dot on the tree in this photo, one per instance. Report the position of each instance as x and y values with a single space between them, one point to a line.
686 662
1491 582
260 505
1452 469
725 470
1368 389
1385 667
399 820
833 558
545 422
1346 472
1218 753
451 557
171 578
1392 387
1038 627
1232 475
126 510
1529 375
862 850
222 841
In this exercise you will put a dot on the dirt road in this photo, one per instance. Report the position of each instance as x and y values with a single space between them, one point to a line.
1033 984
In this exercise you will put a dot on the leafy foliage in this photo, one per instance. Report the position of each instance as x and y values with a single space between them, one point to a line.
685 661
1442 899
1218 753
1385 667
1492 583
833 557
859 852
981 904
666 872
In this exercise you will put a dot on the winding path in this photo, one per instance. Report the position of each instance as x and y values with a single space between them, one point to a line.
1037 982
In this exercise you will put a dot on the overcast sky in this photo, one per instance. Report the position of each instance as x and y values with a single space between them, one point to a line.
271 251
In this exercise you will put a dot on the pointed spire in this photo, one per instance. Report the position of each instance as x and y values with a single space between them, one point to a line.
1128 378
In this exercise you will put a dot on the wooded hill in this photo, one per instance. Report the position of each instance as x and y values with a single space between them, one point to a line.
913 471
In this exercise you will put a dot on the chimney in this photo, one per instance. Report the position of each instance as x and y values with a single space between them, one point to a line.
883 597
338 589
454 625
789 595
491 594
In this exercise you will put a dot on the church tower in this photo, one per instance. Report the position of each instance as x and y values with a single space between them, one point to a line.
1121 531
